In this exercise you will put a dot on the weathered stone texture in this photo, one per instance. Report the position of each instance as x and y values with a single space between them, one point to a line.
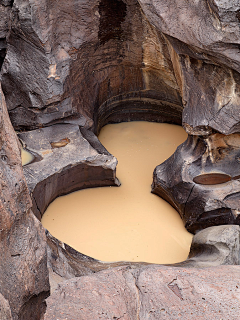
65 162
152 292
206 37
23 264
214 246
68 58
200 205
5 311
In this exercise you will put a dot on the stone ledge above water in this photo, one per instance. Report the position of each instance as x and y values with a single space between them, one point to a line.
66 162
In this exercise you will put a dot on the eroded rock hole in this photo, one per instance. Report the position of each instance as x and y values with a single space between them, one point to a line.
112 14
125 223
212 178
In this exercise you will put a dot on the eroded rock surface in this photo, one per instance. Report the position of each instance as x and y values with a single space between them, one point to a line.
202 205
214 246
5 10
5 311
151 292
23 264
100 60
211 247
88 63
205 40
65 162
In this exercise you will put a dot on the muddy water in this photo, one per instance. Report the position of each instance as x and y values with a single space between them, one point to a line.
125 223
27 157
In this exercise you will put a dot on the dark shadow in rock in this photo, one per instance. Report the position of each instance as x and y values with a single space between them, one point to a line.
112 14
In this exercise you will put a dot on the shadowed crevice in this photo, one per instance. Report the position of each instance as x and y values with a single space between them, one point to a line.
112 14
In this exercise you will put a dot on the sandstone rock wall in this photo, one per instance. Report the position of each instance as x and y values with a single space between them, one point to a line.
150 292
101 60
23 264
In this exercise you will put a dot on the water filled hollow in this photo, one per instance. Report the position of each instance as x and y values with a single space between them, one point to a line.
127 222
26 156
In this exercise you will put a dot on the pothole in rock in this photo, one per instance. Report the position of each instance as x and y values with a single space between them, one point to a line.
213 178
27 157
127 222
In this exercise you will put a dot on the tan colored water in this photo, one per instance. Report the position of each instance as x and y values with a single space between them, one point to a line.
27 157
127 222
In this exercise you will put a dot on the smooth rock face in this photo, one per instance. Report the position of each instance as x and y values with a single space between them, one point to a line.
23 264
214 246
151 292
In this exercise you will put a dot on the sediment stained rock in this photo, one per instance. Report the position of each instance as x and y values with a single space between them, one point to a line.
23 263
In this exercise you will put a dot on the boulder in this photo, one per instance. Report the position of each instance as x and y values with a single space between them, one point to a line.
214 246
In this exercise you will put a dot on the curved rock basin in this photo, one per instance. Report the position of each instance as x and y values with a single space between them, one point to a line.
128 222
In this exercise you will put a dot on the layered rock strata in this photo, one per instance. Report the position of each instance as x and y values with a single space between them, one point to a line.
99 61
75 64
204 53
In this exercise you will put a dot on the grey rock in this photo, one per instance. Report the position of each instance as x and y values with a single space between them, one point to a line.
65 162
102 69
214 246
150 292
202 205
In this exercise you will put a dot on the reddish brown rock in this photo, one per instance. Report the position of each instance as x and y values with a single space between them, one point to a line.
5 311
152 292
23 264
